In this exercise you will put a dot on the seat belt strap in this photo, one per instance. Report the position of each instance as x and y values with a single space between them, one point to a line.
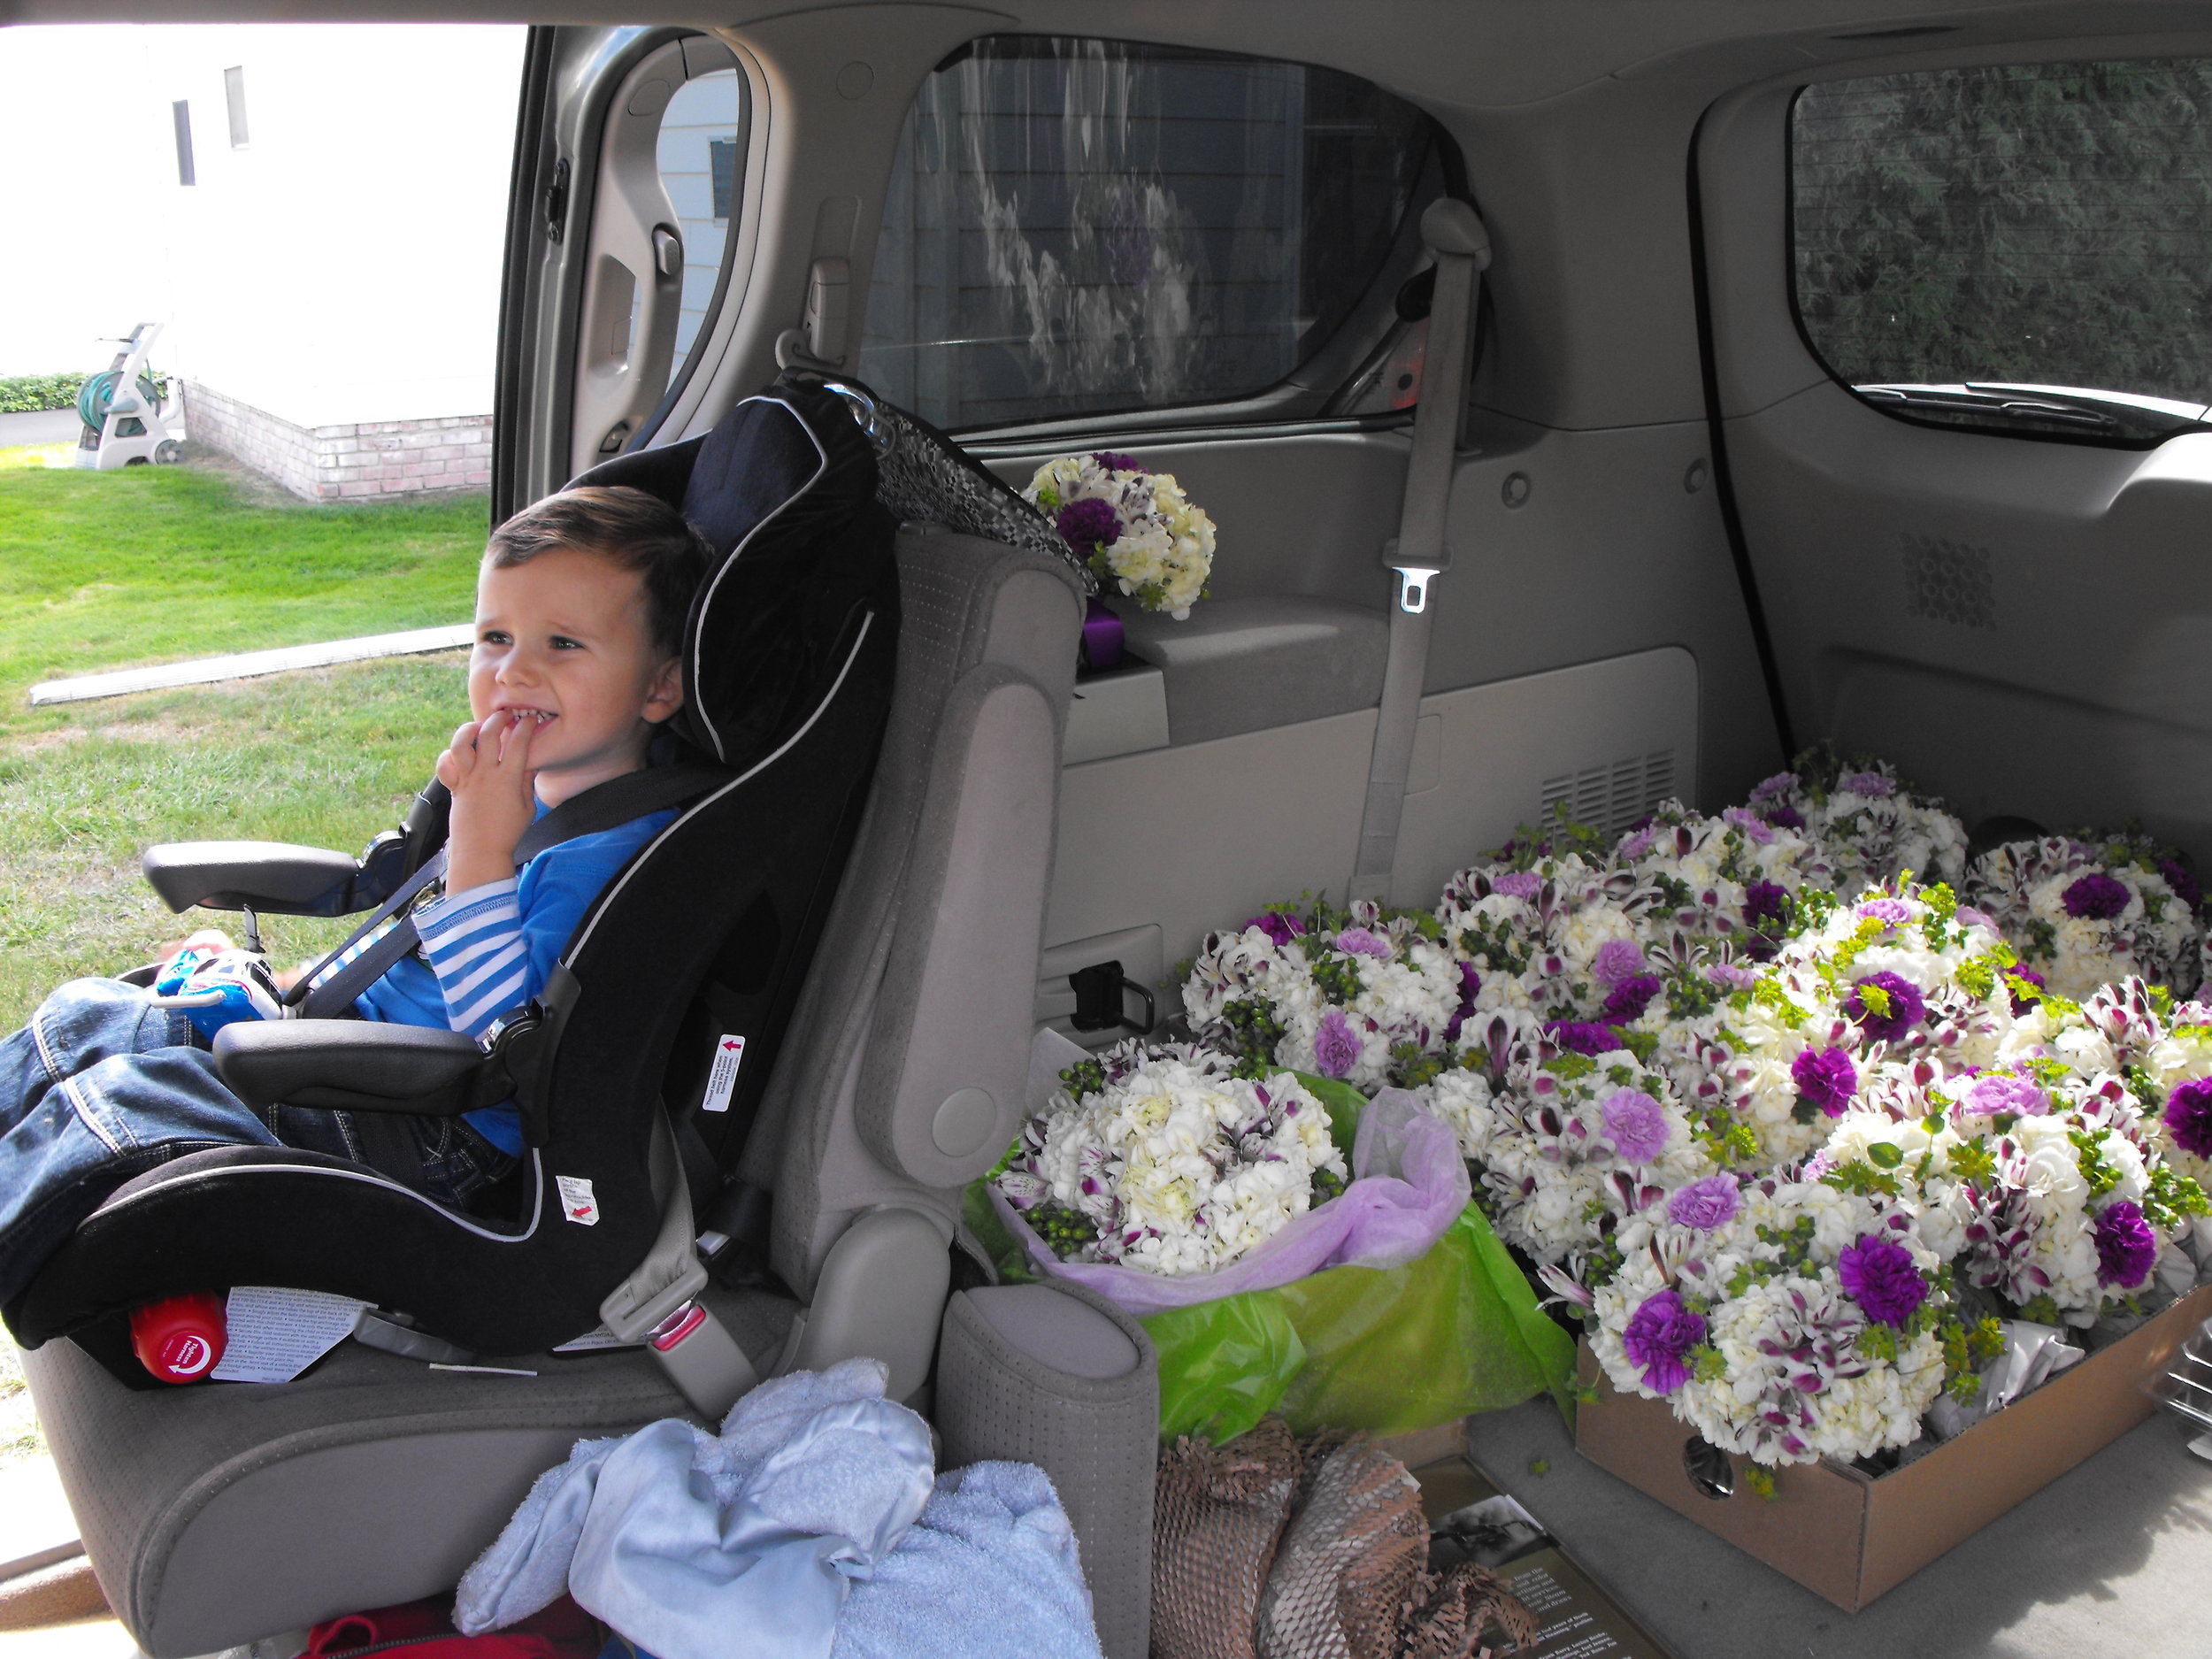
332 984
1461 247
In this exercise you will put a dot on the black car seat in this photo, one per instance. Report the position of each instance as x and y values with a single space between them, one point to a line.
218 1514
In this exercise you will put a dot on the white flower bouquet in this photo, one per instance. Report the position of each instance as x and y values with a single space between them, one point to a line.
1168 1162
1363 995
1873 829
2083 913
1136 528
1787 1320
1161 1178
1572 1134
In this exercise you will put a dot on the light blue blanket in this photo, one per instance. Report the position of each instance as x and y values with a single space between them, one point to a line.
809 1529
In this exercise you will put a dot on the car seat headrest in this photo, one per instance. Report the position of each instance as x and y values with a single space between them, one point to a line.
774 488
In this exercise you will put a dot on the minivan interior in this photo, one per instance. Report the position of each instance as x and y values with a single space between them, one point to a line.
1801 390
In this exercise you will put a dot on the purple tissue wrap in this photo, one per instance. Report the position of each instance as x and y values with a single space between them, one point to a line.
1408 1184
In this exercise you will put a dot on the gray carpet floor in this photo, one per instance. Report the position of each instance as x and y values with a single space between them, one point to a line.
2113 1559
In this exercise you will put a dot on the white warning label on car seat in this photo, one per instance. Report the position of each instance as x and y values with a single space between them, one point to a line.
722 1081
579 1204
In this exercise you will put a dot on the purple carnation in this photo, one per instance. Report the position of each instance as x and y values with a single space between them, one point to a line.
2126 1247
1280 928
1617 959
1869 784
2182 882
2189 1116
1765 904
1088 525
1517 884
1638 844
1582 1037
1114 463
1628 1000
1825 1078
1880 1276
1708 1202
1888 911
1786 817
1659 1334
1635 1126
2000 1092
1357 941
1336 1047
2096 897
1902 1006
1773 788
1470 988
2022 1004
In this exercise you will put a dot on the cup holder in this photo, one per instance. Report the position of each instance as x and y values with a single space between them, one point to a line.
1711 1470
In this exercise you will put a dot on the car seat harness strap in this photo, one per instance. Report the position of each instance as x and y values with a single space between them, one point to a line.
328 989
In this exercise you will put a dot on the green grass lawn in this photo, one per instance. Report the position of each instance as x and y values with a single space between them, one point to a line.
154 565
103 571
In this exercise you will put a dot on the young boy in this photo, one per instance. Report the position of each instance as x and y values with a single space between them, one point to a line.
581 605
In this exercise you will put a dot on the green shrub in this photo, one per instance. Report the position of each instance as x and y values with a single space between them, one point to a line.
22 393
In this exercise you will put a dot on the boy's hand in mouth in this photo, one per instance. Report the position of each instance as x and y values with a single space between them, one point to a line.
495 800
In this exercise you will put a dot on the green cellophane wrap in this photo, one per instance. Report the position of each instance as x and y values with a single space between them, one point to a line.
1385 1350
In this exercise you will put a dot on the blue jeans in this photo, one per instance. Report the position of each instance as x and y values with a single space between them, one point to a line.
102 1087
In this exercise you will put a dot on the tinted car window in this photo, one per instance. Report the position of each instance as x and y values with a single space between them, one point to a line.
2034 234
1078 226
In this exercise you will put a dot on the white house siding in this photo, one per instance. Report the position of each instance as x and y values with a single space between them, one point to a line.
331 290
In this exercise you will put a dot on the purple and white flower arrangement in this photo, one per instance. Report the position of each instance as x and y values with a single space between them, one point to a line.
1135 527
2086 911
1871 827
1570 1132
1794 1122
1160 1158
1788 1320
1361 995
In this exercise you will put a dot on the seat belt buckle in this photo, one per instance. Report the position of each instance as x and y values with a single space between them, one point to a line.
1414 581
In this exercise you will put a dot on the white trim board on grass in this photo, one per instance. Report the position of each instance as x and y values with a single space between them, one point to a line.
247 664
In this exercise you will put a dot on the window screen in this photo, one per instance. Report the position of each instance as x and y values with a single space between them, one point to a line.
1980 234
1078 226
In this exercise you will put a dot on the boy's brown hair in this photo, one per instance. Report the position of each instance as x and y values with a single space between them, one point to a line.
627 527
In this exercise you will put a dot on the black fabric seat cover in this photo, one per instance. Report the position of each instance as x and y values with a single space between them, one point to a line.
707 934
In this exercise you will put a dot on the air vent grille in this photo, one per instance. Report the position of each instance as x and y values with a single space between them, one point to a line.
1611 797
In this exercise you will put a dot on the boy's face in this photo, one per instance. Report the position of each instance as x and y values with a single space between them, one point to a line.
564 639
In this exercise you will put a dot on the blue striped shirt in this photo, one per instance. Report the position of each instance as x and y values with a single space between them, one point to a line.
491 949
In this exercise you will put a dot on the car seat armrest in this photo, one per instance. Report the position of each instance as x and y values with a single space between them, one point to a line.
350 1065
273 876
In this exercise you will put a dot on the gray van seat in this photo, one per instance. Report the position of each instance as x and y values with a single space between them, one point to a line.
904 1073
218 1514
1272 659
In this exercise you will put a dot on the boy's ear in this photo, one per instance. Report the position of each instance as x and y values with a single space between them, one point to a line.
665 695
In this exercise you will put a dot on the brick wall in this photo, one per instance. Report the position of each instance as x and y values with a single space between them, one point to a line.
372 459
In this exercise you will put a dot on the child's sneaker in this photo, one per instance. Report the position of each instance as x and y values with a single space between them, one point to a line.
216 989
